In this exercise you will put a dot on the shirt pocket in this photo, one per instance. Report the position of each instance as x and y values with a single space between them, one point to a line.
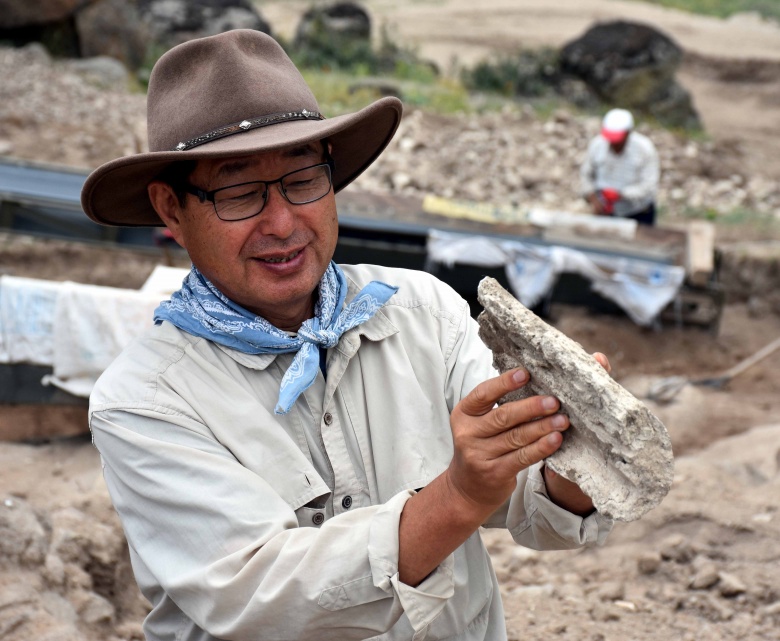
310 516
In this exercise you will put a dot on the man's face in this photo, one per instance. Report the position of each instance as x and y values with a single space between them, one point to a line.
272 263
620 144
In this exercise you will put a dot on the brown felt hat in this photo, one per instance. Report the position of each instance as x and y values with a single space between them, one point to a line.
232 94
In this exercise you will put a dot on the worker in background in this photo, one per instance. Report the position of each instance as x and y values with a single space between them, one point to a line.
621 170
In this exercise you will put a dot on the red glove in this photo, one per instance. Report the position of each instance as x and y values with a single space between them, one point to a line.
609 197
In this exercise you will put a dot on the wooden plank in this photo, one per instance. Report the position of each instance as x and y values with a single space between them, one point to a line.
700 252
35 423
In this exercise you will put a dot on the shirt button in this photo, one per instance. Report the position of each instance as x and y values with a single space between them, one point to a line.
318 518
346 502
328 418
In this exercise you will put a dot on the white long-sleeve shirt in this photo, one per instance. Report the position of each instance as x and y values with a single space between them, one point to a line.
246 525
634 172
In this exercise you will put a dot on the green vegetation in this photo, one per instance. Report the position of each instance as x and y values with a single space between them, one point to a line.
724 8
762 223
525 73
339 92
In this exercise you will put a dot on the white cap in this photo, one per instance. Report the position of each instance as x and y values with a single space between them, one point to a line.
616 124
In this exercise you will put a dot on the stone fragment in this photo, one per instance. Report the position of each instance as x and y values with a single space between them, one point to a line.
616 450
612 591
730 585
677 548
649 562
705 577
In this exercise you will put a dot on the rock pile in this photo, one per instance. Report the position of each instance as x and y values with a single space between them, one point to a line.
71 573
518 157
50 112
688 570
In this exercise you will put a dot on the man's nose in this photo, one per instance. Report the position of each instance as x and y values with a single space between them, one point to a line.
278 215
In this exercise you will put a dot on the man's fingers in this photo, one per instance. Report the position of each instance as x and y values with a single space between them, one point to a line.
484 396
524 435
603 361
525 457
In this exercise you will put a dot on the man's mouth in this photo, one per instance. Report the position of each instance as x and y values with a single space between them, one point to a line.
281 259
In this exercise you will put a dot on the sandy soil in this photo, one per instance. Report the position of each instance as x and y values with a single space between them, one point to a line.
703 565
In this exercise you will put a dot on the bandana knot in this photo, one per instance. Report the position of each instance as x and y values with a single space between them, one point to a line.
200 309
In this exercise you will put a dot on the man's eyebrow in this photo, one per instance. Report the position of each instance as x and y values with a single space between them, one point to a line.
301 150
233 167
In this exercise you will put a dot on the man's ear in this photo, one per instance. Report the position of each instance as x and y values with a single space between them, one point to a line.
166 204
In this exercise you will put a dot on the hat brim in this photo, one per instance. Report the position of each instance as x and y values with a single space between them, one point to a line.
116 193
614 136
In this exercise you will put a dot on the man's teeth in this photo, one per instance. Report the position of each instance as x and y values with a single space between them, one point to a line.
281 260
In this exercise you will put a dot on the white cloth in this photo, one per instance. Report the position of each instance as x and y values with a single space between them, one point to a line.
92 325
641 288
164 280
27 320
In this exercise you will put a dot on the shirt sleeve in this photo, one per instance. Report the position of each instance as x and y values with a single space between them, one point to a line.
229 552
536 522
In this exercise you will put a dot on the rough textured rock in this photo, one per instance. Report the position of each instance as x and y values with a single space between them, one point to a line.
342 21
616 450
632 65
113 28
14 14
172 22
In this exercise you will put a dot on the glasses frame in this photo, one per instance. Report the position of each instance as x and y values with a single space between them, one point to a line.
210 196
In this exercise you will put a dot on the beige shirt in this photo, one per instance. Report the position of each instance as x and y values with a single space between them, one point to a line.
634 172
247 525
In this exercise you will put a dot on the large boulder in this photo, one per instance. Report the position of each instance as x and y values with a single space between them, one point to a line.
632 65
15 14
342 21
113 28
134 32
172 22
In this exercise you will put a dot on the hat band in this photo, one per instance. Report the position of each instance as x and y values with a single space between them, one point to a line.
246 125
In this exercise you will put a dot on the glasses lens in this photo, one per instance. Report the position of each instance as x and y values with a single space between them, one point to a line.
307 185
240 201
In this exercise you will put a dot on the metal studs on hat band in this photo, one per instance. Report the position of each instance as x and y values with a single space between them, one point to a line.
245 125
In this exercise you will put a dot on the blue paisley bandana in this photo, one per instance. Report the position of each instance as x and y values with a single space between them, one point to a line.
200 309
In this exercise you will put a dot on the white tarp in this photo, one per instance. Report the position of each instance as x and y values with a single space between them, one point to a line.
642 288
27 320
75 329
92 325
164 280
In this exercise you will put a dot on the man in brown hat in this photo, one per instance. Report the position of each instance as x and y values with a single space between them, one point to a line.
299 449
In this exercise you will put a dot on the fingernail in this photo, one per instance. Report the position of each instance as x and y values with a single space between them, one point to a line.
520 376
549 403
559 420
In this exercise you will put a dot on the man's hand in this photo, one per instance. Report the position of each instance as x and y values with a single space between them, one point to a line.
493 444
596 205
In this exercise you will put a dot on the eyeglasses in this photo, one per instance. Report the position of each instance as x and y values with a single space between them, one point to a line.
245 200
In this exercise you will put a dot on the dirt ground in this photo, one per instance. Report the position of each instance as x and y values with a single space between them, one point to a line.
703 565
